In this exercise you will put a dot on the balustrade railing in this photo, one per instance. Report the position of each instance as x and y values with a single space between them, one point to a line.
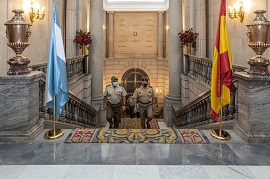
201 67
76 66
197 112
76 111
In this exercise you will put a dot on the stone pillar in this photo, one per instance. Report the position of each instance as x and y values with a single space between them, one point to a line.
96 50
253 95
175 60
160 34
19 114
96 59
192 19
110 36
71 28
104 26
201 29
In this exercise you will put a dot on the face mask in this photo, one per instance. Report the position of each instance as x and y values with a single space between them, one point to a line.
144 85
115 83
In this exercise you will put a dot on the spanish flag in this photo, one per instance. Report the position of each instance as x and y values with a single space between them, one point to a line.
221 82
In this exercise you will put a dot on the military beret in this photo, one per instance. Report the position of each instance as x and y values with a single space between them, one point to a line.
144 78
114 78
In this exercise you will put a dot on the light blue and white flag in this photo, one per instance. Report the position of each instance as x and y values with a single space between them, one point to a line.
56 81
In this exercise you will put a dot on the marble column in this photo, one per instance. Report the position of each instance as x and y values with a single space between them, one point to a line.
253 94
71 28
19 114
160 34
110 35
201 29
192 18
105 47
175 60
96 50
96 59
192 15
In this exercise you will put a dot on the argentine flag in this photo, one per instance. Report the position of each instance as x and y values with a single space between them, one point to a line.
56 81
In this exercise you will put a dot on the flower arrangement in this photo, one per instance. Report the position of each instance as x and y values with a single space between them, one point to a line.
83 39
188 36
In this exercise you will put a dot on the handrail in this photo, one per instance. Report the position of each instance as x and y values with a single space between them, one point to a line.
197 112
76 111
201 67
75 66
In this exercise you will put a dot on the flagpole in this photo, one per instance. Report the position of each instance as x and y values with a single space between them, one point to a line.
54 133
219 133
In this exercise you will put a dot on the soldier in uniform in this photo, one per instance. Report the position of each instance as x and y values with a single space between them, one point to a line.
145 96
114 102
130 106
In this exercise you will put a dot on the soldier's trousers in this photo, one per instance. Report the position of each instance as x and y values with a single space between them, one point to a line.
145 110
114 111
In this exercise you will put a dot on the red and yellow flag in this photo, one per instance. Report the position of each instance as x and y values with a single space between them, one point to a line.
221 82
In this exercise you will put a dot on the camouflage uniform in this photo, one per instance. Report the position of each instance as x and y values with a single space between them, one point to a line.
114 97
145 98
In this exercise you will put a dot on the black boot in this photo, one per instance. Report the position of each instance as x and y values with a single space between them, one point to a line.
143 123
148 125
111 125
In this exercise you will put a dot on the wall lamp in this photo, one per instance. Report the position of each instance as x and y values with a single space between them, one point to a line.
237 11
34 10
167 28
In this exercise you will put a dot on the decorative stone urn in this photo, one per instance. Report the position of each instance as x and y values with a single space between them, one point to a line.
259 40
18 32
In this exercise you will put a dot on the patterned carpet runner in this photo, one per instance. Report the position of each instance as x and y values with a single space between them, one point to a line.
135 123
163 136
192 136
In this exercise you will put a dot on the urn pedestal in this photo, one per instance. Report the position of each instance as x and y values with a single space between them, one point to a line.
20 103
253 101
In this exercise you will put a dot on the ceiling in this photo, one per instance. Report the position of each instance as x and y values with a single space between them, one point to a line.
135 5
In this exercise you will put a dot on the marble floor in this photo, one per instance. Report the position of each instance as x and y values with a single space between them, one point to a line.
56 159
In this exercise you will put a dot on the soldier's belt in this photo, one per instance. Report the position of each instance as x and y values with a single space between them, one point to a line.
145 103
114 105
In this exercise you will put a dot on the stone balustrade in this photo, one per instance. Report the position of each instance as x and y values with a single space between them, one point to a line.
76 112
75 66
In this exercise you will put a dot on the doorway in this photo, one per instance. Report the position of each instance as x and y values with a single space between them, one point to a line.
132 79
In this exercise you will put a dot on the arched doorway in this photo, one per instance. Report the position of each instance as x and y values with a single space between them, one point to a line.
132 79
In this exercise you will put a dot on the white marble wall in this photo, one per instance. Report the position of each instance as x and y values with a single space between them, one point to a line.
81 87
191 88
4 49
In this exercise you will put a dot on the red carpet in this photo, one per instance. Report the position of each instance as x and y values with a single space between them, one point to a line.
192 136
80 135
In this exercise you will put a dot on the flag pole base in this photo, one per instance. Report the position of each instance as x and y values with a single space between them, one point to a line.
54 134
220 134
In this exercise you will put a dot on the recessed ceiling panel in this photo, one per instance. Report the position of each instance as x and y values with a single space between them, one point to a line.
135 5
